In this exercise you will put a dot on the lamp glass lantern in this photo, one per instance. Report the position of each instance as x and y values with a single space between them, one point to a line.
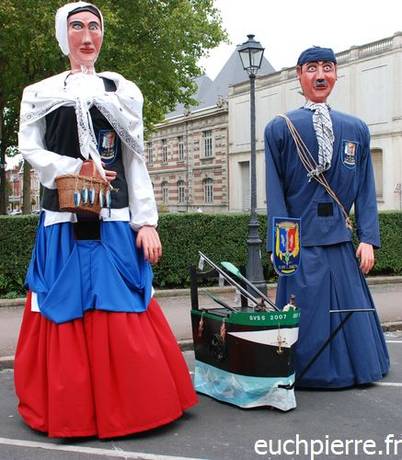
251 53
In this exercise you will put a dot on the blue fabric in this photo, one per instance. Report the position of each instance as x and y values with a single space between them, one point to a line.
316 54
329 278
290 194
71 277
243 390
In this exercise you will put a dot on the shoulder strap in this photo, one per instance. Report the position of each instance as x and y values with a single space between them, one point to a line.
313 170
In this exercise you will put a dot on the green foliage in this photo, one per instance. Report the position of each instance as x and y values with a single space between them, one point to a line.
17 235
156 44
389 257
219 236
28 53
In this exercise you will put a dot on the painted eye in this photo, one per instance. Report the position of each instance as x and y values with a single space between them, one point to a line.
76 25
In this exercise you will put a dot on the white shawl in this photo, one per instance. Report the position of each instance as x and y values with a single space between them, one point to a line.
122 109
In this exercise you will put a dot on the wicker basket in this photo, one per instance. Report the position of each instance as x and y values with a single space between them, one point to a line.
82 194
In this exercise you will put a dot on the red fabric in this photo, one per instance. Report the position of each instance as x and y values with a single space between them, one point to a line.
108 374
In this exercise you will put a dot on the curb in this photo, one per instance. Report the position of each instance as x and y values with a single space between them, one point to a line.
12 303
20 302
371 281
391 326
7 362
374 280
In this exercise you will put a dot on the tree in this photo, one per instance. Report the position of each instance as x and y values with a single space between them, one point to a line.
155 43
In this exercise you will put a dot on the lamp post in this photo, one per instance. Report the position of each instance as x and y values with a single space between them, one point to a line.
251 53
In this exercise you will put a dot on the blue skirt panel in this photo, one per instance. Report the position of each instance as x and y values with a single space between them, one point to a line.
72 276
329 278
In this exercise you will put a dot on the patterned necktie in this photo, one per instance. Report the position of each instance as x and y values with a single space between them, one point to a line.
325 135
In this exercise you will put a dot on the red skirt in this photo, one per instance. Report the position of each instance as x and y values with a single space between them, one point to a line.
108 374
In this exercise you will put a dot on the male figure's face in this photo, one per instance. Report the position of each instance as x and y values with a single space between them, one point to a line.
84 39
317 79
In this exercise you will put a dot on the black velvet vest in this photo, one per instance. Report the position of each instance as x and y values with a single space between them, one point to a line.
62 137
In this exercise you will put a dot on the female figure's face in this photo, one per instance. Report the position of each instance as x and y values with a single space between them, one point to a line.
84 39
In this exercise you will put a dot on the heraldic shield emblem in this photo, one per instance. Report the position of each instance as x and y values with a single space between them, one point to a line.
286 245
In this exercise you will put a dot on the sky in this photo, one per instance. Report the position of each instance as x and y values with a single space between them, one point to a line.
287 27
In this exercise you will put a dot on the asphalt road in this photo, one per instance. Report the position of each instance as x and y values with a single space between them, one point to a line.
216 431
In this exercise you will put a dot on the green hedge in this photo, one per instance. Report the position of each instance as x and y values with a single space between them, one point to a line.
220 236
17 235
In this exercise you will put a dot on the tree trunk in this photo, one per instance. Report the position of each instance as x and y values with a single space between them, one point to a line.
26 189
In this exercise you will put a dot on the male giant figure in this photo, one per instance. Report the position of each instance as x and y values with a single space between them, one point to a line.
330 275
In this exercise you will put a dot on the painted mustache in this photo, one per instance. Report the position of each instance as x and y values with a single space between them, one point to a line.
320 84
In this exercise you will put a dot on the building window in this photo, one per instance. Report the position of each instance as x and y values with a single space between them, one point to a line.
377 160
181 191
164 151
165 192
150 157
181 148
245 184
207 136
208 190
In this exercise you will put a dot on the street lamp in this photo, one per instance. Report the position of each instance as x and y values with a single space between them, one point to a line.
251 53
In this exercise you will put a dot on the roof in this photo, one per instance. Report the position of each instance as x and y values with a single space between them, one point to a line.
233 72
209 92
203 85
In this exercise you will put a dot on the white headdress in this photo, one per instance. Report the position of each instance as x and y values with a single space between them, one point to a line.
61 23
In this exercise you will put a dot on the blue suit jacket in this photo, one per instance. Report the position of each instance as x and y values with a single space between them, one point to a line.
290 194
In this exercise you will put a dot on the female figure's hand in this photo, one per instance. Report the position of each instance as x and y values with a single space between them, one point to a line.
110 175
148 240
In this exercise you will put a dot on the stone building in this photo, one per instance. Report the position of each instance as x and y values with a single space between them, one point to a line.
187 155
187 161
14 178
369 86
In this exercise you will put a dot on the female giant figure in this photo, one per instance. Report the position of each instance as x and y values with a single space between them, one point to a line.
95 354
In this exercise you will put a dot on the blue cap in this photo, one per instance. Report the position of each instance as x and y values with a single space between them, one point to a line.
315 54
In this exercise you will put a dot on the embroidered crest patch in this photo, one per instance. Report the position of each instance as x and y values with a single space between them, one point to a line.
286 245
107 145
349 153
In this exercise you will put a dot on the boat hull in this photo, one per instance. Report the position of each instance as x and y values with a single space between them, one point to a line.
244 357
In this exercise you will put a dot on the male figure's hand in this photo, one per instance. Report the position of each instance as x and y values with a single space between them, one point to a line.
365 253
148 239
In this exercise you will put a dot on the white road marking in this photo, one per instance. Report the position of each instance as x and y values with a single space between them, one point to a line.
389 384
394 341
90 450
